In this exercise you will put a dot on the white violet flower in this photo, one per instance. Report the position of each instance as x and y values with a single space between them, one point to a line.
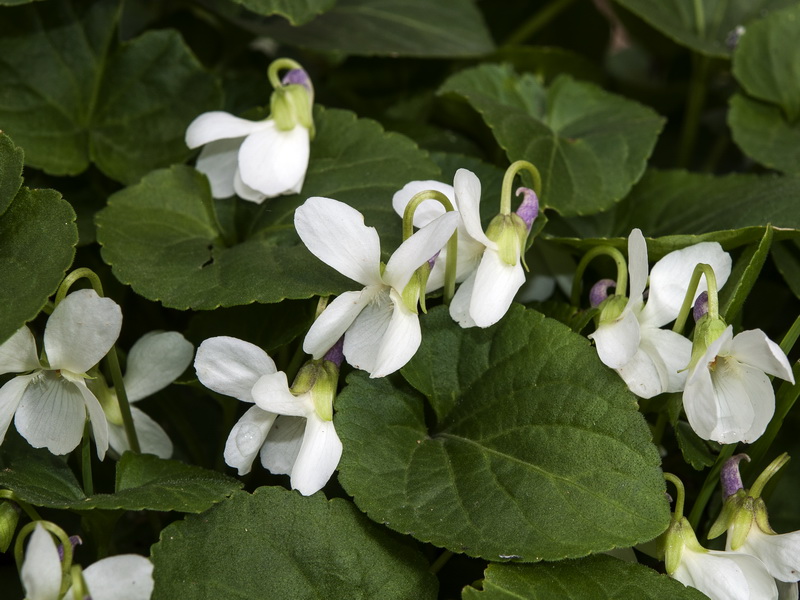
258 159
50 403
649 359
381 330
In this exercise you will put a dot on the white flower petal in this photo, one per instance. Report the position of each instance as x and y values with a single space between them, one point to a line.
429 209
726 575
96 416
18 353
780 553
637 264
81 331
496 284
618 341
152 438
468 258
41 569
244 191
218 125
467 189
459 305
51 413
758 388
121 577
10 397
336 234
753 347
400 341
318 458
155 361
231 366
272 394
659 364
670 277
274 162
279 452
336 319
362 342
246 438
419 249
219 161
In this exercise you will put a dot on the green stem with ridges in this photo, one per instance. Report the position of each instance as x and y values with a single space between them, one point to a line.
688 299
622 271
767 474
680 496
275 68
508 182
86 462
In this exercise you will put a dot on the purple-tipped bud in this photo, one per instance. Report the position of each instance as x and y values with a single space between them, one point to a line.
599 291
700 306
336 353
529 209
729 476
298 77
75 540
432 260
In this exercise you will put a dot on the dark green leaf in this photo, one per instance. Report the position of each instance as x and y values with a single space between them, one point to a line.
11 161
538 452
37 476
589 146
278 544
596 577
762 131
37 244
787 259
160 237
72 94
297 11
694 449
447 28
744 276
707 26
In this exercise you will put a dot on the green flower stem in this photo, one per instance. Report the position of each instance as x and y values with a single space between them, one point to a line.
79 588
622 271
111 357
688 300
277 66
680 495
508 182
86 462
29 510
790 339
767 474
709 485
538 21
700 17
452 244
66 564
440 562
694 106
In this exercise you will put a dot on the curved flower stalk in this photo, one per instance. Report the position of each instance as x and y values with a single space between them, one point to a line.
292 430
380 323
629 338
259 159
154 362
122 577
49 403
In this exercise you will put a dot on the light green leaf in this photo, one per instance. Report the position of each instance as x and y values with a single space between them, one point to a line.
11 161
37 244
590 146
744 276
538 450
706 26
767 60
296 11
161 238
279 544
447 28
72 94
596 577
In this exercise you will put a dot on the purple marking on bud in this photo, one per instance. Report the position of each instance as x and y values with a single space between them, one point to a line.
729 476
75 540
700 306
336 353
432 260
599 291
529 209
298 77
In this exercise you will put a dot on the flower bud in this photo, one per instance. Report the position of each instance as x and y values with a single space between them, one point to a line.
291 105
509 232
9 517
320 377
599 292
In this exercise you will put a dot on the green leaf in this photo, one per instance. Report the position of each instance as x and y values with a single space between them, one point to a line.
74 95
37 244
767 60
596 577
787 259
762 131
694 449
296 11
448 28
144 482
744 276
589 146
284 545
538 451
160 237
11 161
705 26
